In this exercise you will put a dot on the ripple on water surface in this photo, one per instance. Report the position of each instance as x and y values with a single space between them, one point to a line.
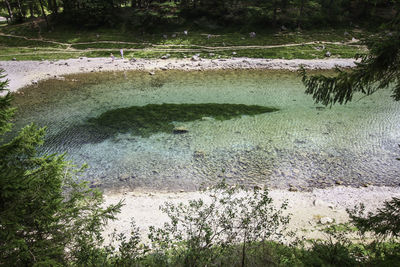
247 126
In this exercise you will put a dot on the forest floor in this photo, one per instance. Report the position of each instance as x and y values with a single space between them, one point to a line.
28 41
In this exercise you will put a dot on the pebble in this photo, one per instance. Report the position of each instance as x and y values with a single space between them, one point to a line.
293 189
319 203
326 220
195 58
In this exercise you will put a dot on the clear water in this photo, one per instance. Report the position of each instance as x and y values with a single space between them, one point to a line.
302 144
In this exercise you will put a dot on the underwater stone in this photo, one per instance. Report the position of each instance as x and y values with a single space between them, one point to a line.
199 154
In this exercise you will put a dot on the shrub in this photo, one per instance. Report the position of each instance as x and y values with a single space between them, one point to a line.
225 227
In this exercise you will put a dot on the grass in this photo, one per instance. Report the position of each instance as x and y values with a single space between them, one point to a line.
8 41
64 43
301 52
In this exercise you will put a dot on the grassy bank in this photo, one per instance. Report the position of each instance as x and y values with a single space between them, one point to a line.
29 42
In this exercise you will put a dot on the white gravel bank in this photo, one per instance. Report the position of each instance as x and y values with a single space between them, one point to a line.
23 73
307 208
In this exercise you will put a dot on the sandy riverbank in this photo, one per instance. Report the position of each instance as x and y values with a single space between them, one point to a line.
23 73
307 208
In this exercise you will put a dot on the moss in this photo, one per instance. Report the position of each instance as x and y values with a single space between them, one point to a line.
152 118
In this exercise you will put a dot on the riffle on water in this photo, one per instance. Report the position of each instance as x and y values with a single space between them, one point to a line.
119 124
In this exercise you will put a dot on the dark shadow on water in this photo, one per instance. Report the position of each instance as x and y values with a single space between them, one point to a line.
150 119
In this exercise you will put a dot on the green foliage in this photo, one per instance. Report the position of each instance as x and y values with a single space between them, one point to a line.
46 216
5 111
209 232
385 222
378 69
88 13
335 250
204 13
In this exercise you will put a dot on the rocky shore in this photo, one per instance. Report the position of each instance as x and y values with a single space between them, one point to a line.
309 210
23 73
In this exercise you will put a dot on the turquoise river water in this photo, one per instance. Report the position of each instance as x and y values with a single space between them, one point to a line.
299 144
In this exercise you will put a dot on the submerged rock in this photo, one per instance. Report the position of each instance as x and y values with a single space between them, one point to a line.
199 154
124 177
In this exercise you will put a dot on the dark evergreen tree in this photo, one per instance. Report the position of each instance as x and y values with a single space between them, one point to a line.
379 69
46 216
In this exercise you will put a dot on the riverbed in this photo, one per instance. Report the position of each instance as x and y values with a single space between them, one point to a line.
299 145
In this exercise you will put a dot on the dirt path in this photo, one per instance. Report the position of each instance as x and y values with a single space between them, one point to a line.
159 47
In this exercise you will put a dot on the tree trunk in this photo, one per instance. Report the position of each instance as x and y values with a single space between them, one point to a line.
31 9
300 13
20 10
244 249
44 14
55 7
284 5
9 10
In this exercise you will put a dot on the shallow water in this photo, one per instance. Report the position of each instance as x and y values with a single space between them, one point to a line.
301 144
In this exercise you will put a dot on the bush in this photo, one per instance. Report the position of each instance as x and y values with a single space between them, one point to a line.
231 224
